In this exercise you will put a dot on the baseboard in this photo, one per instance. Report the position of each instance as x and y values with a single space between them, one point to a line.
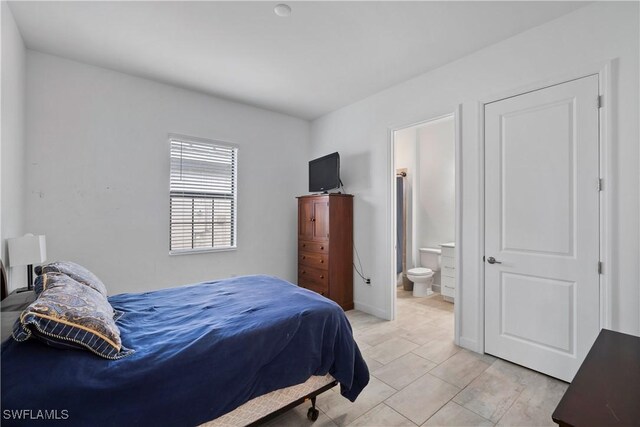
374 311
436 288
470 344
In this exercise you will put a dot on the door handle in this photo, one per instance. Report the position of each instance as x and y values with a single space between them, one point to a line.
492 260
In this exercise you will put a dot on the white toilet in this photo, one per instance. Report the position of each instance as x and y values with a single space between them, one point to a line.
422 277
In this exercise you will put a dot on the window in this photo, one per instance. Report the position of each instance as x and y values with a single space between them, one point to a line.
203 194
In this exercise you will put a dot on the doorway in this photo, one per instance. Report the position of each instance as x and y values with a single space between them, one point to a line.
425 221
542 226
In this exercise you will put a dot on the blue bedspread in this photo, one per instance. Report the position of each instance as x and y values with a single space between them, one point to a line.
201 351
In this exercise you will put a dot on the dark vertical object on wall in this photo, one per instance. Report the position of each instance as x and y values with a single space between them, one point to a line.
399 223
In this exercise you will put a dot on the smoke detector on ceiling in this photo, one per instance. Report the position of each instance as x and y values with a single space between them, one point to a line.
282 10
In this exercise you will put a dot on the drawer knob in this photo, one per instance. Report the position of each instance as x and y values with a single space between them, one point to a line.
321 261
304 257
322 276
303 272
304 245
321 248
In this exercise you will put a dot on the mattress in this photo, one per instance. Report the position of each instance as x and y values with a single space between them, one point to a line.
201 351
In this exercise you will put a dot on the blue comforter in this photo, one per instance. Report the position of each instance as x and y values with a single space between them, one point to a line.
201 351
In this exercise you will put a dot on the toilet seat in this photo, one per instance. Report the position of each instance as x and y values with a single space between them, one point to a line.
420 271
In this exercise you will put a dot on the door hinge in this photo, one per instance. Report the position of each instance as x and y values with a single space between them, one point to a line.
600 184
600 101
599 267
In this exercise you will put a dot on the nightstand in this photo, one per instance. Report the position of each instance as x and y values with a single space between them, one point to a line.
11 308
17 300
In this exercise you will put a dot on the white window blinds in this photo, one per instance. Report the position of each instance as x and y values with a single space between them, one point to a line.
203 195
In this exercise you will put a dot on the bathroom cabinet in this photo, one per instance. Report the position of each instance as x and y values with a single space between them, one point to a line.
325 246
448 271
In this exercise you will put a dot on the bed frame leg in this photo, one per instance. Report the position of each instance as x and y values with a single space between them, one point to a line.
313 413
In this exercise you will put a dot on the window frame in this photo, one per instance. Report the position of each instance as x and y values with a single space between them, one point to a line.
234 218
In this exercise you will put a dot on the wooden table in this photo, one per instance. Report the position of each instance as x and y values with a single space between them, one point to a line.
606 389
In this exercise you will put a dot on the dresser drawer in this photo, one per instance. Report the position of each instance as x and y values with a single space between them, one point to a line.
447 261
313 278
313 259
448 282
448 292
308 246
448 272
315 288
448 252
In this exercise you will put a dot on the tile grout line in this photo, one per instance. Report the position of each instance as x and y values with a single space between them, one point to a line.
512 403
428 373
438 410
464 388
437 364
369 329
399 413
471 409
384 382
456 386
415 310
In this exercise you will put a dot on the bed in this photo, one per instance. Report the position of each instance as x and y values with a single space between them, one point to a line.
204 353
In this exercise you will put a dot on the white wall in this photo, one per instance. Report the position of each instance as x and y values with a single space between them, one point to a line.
595 33
427 151
12 147
436 187
98 175
405 158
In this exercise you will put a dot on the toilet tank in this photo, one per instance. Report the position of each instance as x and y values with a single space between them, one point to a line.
430 258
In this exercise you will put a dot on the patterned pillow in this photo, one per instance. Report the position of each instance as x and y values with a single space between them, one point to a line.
71 315
71 269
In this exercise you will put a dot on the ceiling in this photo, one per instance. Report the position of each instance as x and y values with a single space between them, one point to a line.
324 56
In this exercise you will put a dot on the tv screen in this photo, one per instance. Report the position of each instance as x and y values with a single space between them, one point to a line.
324 173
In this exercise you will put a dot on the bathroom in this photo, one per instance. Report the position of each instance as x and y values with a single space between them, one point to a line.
424 161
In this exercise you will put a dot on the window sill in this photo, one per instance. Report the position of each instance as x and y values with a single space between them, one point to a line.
202 251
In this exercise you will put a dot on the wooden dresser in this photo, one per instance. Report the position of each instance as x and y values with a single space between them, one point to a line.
325 246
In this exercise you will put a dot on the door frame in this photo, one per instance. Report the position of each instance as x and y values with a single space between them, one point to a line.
603 71
391 209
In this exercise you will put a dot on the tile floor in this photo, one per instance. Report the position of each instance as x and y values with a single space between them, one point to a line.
420 378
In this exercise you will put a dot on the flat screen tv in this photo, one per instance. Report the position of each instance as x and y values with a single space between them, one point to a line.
324 173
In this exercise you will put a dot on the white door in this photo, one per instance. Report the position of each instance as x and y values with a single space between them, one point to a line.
542 227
